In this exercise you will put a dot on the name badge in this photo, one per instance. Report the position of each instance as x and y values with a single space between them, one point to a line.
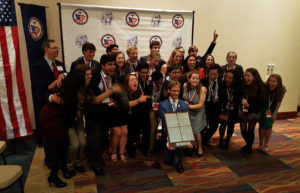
111 102
269 113
232 107
59 68
155 106
106 101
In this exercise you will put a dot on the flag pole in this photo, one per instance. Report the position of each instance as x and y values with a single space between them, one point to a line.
61 35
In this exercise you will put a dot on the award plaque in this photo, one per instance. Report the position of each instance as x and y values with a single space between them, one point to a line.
179 128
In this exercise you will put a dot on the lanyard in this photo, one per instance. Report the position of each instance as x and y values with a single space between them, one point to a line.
212 92
141 88
103 81
229 94
270 101
156 94
229 98
191 97
131 68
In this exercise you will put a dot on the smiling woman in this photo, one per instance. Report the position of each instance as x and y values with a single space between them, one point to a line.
252 103
194 95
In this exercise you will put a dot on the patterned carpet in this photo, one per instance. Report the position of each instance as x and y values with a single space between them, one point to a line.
218 171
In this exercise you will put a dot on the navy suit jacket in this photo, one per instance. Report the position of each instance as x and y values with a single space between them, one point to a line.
166 107
41 77
94 64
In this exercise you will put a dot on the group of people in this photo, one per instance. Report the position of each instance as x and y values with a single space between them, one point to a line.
116 105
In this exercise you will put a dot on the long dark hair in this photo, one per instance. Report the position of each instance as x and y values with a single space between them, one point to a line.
257 87
236 83
125 66
74 84
280 89
131 95
185 64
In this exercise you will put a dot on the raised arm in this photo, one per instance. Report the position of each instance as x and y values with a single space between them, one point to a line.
115 89
212 45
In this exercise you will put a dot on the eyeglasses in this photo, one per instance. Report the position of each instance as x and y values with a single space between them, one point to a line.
55 48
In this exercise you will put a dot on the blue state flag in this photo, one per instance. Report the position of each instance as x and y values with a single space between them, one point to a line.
35 30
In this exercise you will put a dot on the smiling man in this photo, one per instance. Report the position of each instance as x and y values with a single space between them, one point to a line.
172 104
88 50
98 116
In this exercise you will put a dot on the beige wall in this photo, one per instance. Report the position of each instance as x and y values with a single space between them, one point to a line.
260 31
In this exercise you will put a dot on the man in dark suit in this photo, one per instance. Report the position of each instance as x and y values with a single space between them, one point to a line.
133 62
43 73
98 116
172 104
146 87
212 104
88 50
154 47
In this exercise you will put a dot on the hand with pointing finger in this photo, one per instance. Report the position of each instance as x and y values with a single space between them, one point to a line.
215 36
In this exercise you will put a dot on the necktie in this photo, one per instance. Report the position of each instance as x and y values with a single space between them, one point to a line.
55 71
174 106
214 86
107 81
212 91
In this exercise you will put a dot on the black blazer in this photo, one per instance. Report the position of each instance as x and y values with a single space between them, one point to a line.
94 64
41 77
205 82
135 67
239 71
236 101
94 86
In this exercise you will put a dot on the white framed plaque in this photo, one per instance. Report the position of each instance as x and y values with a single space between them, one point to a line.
179 129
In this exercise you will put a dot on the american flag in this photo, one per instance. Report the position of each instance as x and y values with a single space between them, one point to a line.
14 117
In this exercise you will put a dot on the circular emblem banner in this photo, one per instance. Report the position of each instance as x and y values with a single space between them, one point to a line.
132 19
80 16
178 21
107 40
35 28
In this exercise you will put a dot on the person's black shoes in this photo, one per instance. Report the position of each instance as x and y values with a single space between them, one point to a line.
69 173
99 171
80 169
56 181
247 152
179 167
47 163
226 145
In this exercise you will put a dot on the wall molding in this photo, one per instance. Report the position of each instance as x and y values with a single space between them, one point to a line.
287 115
